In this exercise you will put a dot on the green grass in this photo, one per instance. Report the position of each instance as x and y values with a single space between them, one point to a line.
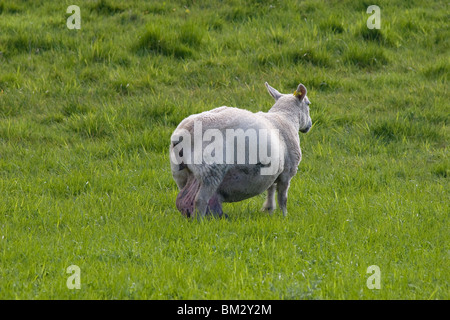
85 121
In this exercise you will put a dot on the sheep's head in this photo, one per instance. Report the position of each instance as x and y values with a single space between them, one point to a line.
297 103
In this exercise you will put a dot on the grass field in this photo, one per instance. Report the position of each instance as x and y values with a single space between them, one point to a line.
85 122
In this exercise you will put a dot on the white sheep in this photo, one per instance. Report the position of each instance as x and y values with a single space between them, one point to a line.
208 174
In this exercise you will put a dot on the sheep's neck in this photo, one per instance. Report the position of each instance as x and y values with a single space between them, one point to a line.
289 115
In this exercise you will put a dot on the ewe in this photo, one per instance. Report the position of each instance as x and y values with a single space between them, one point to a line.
229 154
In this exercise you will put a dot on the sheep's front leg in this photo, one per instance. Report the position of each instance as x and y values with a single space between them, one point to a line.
282 190
269 204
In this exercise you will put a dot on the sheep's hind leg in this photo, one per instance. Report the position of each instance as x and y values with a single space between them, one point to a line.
186 198
269 204
282 190
215 207
206 201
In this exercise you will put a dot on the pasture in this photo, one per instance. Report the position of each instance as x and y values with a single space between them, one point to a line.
85 122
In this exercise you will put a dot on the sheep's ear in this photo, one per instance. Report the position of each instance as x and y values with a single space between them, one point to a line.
273 92
300 92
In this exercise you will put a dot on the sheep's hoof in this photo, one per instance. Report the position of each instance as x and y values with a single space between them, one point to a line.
223 216
269 210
